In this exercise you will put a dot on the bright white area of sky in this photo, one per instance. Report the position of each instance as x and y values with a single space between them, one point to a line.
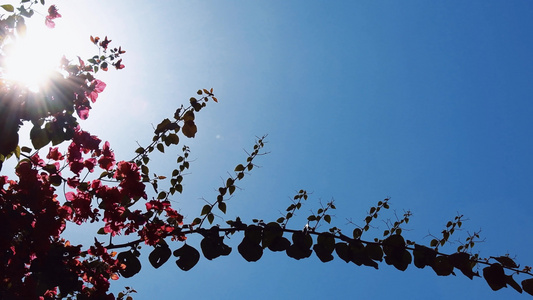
426 102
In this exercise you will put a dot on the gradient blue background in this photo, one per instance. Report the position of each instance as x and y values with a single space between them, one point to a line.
426 102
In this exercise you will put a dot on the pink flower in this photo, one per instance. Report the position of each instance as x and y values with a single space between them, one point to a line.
55 154
52 14
97 86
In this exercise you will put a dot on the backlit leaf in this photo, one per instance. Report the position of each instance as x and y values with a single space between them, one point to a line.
8 7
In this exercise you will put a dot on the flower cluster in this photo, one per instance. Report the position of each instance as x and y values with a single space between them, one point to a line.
34 212
52 14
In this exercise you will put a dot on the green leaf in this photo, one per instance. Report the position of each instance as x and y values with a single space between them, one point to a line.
162 195
17 152
327 218
161 148
25 149
239 168
8 7
210 218
39 137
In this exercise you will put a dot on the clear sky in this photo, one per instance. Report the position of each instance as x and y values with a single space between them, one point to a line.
426 102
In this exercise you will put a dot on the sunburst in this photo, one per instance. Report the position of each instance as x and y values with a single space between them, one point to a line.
29 60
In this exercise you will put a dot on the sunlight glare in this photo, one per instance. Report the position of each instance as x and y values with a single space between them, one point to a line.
30 60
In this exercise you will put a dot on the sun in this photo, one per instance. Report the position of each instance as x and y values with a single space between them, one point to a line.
30 60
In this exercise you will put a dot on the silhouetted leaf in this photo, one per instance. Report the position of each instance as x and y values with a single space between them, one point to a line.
461 261
506 261
324 246
279 244
131 263
357 233
213 245
39 137
162 126
188 116
188 257
510 281
206 209
343 252
424 256
254 233
394 249
374 251
527 285
442 266
327 218
222 207
250 250
189 129
270 233
301 247
172 139
495 276
159 255
400 260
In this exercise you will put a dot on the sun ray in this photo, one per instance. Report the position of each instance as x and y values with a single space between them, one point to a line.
30 59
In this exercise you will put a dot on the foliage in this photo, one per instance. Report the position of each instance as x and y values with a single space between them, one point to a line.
38 262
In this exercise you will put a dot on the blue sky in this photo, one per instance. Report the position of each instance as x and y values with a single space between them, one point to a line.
426 102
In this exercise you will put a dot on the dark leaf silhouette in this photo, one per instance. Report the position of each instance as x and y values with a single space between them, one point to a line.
188 257
131 263
495 276
159 255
